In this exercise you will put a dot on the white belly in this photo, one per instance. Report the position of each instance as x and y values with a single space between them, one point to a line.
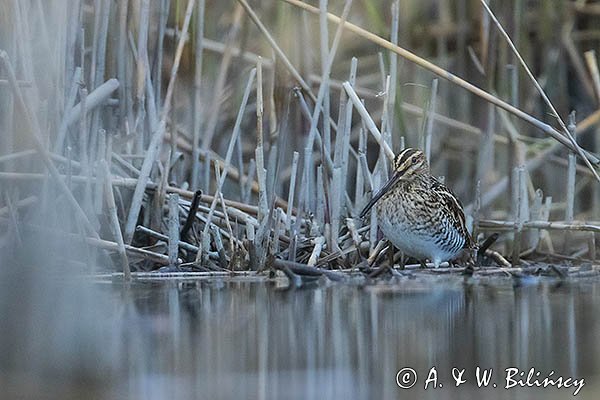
414 244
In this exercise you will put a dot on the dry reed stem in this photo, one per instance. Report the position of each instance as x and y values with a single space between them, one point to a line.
368 121
549 225
592 62
173 225
114 220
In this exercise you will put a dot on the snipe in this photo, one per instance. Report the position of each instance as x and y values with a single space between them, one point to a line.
419 214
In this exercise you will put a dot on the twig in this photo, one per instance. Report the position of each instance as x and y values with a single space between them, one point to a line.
302 269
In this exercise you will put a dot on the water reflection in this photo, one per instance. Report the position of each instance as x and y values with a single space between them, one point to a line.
217 339
221 339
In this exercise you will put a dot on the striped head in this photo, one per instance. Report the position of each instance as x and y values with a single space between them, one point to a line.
410 163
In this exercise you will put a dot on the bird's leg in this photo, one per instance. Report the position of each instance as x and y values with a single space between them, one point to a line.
400 258
390 254
423 264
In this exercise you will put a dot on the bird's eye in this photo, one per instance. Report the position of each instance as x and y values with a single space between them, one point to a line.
414 161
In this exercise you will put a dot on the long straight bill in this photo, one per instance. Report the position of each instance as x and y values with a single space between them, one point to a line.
389 184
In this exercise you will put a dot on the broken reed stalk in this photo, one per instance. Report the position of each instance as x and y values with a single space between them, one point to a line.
259 152
292 190
173 229
370 124
429 119
94 99
592 62
318 246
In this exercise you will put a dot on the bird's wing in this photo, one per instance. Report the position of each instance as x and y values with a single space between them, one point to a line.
453 209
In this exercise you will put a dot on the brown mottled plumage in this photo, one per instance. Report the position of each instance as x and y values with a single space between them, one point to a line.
419 214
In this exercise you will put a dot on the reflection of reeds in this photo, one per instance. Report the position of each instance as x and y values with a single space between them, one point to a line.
139 163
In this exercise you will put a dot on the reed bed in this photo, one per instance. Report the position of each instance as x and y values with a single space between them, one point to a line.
193 136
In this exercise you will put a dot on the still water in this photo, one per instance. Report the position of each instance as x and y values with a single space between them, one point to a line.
224 338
